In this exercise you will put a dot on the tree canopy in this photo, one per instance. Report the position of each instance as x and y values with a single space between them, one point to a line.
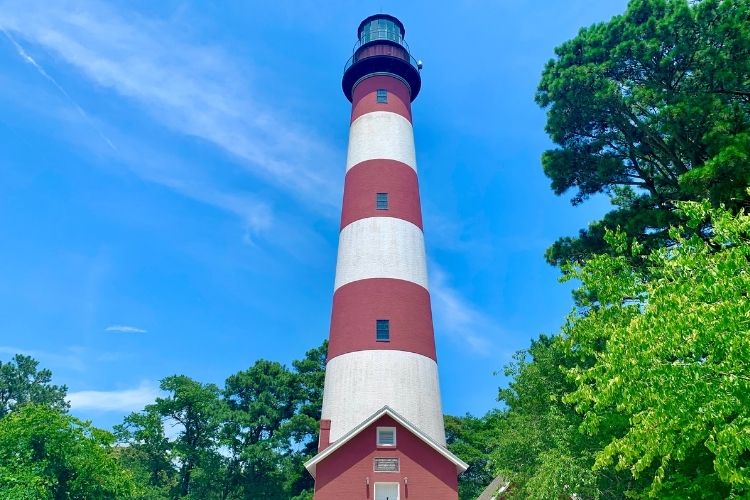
46 454
248 439
671 356
644 392
650 108
471 439
21 382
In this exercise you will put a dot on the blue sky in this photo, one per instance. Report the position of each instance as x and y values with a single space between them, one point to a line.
171 175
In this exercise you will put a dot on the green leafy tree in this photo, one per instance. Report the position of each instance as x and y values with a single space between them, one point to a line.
650 108
189 463
46 454
310 373
272 423
148 453
536 443
195 409
261 401
672 347
470 438
249 440
22 382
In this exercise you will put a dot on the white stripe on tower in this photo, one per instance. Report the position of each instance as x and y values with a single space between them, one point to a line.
381 247
381 135
357 384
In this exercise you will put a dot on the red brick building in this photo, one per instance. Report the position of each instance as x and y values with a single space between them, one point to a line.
406 464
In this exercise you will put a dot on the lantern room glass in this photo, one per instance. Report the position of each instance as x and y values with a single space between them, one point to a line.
381 29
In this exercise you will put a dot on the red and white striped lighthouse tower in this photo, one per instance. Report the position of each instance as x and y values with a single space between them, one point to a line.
382 432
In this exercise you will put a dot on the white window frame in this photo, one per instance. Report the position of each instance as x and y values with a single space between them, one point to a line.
377 437
398 489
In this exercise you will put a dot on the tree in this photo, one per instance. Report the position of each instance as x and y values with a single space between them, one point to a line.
248 440
650 108
470 438
536 443
195 411
272 424
261 401
671 346
21 382
46 454
148 454
310 371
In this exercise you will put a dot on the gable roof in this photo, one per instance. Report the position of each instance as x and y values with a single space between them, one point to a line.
311 464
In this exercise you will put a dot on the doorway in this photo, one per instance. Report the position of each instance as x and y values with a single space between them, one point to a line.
386 491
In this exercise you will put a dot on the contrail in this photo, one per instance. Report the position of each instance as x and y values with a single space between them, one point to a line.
26 57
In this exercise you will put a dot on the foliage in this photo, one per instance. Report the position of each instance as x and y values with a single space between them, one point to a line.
469 438
247 440
272 425
21 382
650 108
536 443
671 349
45 453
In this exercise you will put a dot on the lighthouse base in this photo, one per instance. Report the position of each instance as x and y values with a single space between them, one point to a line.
385 458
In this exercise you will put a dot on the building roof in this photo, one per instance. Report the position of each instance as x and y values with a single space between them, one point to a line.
311 464
496 488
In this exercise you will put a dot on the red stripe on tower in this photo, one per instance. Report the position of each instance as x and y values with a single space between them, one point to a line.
365 97
358 305
369 178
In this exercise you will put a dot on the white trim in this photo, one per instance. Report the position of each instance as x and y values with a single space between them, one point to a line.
311 464
381 135
377 437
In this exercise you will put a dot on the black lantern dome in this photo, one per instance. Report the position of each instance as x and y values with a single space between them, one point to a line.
381 49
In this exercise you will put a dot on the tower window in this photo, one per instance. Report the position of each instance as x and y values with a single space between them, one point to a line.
381 201
382 330
382 95
386 436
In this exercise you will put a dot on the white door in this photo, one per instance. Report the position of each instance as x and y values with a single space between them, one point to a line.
386 491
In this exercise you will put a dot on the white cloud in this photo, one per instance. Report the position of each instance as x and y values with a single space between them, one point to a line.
30 60
124 329
70 358
457 318
126 400
189 87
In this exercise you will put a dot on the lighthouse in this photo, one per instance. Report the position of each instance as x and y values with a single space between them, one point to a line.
381 428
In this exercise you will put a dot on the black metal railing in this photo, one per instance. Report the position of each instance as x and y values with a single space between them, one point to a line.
405 55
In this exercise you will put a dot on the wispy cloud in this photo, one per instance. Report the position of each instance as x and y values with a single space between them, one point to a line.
124 329
186 86
116 400
456 317
26 57
72 357
76 358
